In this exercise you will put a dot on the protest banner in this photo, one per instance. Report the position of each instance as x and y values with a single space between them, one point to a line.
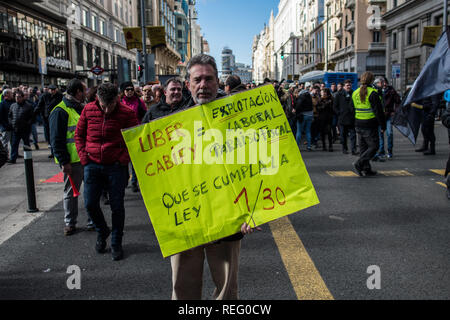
206 170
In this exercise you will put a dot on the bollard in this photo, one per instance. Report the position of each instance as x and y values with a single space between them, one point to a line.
29 176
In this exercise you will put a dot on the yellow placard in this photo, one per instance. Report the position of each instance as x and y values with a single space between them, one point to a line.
157 35
431 35
133 37
206 170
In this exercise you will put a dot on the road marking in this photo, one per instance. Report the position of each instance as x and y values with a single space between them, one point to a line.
442 184
305 278
440 172
57 178
342 174
396 173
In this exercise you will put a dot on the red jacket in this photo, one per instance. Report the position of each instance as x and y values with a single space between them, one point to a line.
99 138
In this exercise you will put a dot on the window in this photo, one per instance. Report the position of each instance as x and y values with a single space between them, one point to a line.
376 36
85 18
105 59
94 22
394 40
413 35
103 27
412 69
89 55
80 55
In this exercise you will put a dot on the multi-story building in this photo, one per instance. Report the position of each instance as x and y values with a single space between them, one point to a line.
74 36
181 8
29 30
311 35
405 22
99 39
244 72
286 38
340 35
162 13
263 57
228 63
356 37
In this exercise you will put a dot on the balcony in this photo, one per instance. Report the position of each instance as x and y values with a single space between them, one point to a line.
338 33
377 1
377 46
342 52
350 4
350 26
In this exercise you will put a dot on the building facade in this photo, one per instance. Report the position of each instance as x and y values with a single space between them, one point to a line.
405 22
97 39
336 35
263 57
29 31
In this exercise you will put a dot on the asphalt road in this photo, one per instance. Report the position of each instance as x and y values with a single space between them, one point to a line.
397 221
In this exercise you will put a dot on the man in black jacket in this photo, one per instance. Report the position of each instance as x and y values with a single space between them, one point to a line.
304 112
46 103
343 107
20 117
172 101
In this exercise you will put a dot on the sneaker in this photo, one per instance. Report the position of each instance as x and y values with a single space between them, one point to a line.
345 151
11 161
90 227
117 253
389 156
69 230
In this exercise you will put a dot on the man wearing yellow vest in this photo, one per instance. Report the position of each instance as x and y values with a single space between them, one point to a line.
63 121
369 115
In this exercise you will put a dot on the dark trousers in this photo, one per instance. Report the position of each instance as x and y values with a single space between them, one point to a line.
15 142
345 131
114 179
428 134
369 141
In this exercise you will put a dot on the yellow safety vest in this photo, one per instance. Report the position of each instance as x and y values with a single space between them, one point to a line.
363 109
70 135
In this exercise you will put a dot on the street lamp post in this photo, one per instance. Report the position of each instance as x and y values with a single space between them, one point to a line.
144 40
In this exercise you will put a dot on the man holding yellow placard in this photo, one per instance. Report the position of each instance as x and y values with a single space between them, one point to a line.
214 170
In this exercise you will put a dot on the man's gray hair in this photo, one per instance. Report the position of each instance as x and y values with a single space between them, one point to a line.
202 59
107 92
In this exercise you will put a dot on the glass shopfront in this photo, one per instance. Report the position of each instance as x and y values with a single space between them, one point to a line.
19 35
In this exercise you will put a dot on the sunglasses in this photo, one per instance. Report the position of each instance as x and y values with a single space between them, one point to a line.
129 89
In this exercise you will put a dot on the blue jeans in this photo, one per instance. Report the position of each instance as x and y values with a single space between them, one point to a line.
112 178
306 124
390 138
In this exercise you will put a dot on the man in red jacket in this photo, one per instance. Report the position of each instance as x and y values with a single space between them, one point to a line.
105 158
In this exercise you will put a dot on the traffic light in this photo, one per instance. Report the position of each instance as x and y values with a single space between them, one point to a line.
282 54
140 71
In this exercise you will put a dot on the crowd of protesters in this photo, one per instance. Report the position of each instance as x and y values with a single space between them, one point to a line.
83 128
319 118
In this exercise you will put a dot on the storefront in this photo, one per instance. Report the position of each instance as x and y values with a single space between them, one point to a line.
21 31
